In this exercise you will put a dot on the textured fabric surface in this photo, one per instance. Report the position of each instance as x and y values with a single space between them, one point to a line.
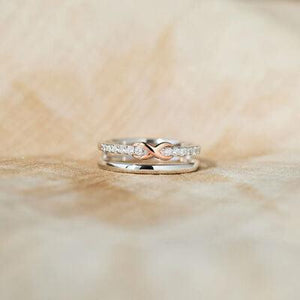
223 74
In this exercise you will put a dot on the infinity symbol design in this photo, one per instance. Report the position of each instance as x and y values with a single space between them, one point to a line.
153 151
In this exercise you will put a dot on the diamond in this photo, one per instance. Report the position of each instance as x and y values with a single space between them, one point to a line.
113 148
183 152
167 151
190 151
194 151
122 149
130 150
176 151
118 149
139 151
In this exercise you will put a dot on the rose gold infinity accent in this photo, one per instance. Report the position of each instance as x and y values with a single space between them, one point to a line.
153 151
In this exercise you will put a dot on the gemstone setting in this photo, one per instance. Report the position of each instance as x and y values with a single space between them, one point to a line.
139 151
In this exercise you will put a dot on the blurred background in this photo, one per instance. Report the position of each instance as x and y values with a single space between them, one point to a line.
224 74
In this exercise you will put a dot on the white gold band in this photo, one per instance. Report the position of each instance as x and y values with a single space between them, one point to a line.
150 168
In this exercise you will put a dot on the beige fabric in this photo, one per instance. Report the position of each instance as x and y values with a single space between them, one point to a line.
225 74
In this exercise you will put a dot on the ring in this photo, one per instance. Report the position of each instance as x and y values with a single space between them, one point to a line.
148 156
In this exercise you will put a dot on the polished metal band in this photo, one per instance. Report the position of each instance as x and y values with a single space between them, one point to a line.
154 156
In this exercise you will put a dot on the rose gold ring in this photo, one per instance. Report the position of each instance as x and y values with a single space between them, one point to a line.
144 155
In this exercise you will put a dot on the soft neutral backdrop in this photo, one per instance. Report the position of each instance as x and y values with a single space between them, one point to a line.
223 74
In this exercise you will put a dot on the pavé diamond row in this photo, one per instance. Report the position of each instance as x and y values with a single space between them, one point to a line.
176 151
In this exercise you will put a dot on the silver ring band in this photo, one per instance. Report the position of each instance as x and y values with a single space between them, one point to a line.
148 156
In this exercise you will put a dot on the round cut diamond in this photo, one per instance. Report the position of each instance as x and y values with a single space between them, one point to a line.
130 150
108 148
167 151
139 151
123 149
118 149
176 151
194 151
183 152
113 148
190 151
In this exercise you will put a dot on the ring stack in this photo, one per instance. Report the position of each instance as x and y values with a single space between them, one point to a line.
153 156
